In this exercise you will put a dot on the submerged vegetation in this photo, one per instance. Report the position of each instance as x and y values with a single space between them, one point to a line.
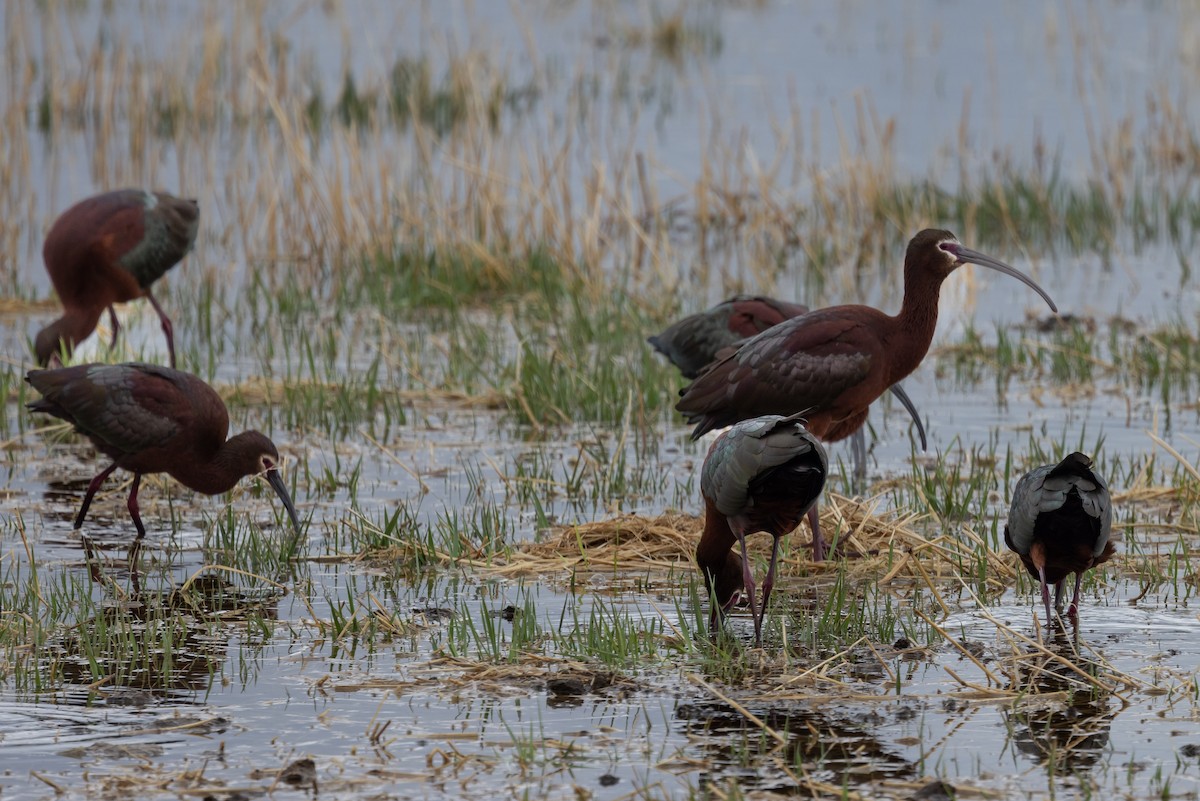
429 276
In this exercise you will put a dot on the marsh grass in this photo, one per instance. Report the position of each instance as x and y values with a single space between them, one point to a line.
452 233
1074 359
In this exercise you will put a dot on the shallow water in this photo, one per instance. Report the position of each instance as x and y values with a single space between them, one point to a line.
241 703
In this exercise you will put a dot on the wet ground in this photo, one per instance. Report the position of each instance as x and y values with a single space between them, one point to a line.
413 675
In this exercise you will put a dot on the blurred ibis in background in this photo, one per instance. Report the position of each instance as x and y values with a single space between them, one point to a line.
832 363
691 344
698 340
763 474
109 249
1059 523
152 419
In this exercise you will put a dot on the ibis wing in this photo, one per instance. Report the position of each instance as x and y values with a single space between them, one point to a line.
751 450
1027 503
1075 472
124 408
693 342
802 364
753 315
152 239
1045 489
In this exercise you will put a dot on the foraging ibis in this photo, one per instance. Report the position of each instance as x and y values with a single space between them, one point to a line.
831 364
698 340
152 419
763 474
691 344
1059 523
109 249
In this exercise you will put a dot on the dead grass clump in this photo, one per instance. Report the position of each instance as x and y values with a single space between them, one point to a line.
886 546
631 541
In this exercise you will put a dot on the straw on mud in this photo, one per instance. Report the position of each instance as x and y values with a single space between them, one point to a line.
59 789
1040 648
232 571
735 706
667 542
817 670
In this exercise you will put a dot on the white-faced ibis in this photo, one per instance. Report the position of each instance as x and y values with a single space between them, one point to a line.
763 474
698 340
691 344
151 419
832 363
109 249
1059 523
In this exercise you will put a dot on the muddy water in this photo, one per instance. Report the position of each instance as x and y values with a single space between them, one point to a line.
242 704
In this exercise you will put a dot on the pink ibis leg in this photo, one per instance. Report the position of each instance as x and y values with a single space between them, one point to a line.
1045 593
818 544
167 328
1073 609
133 506
91 492
748 586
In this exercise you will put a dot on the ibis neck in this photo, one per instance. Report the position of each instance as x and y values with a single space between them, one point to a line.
718 564
216 475
912 329
72 328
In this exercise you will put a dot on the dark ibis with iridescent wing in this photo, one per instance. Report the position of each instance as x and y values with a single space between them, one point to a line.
765 475
1060 523
109 249
698 340
152 419
692 343
832 363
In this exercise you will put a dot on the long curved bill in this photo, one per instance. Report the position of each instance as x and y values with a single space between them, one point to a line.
276 482
965 254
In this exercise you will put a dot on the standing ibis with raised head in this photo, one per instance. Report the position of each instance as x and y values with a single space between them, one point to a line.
763 474
698 340
1059 523
109 249
831 364
152 419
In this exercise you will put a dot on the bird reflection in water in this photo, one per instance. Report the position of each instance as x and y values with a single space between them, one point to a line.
1065 710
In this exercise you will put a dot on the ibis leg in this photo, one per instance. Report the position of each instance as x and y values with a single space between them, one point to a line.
91 492
134 551
1073 609
858 449
1058 596
818 543
769 581
112 319
748 584
167 328
1045 593
133 506
716 614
